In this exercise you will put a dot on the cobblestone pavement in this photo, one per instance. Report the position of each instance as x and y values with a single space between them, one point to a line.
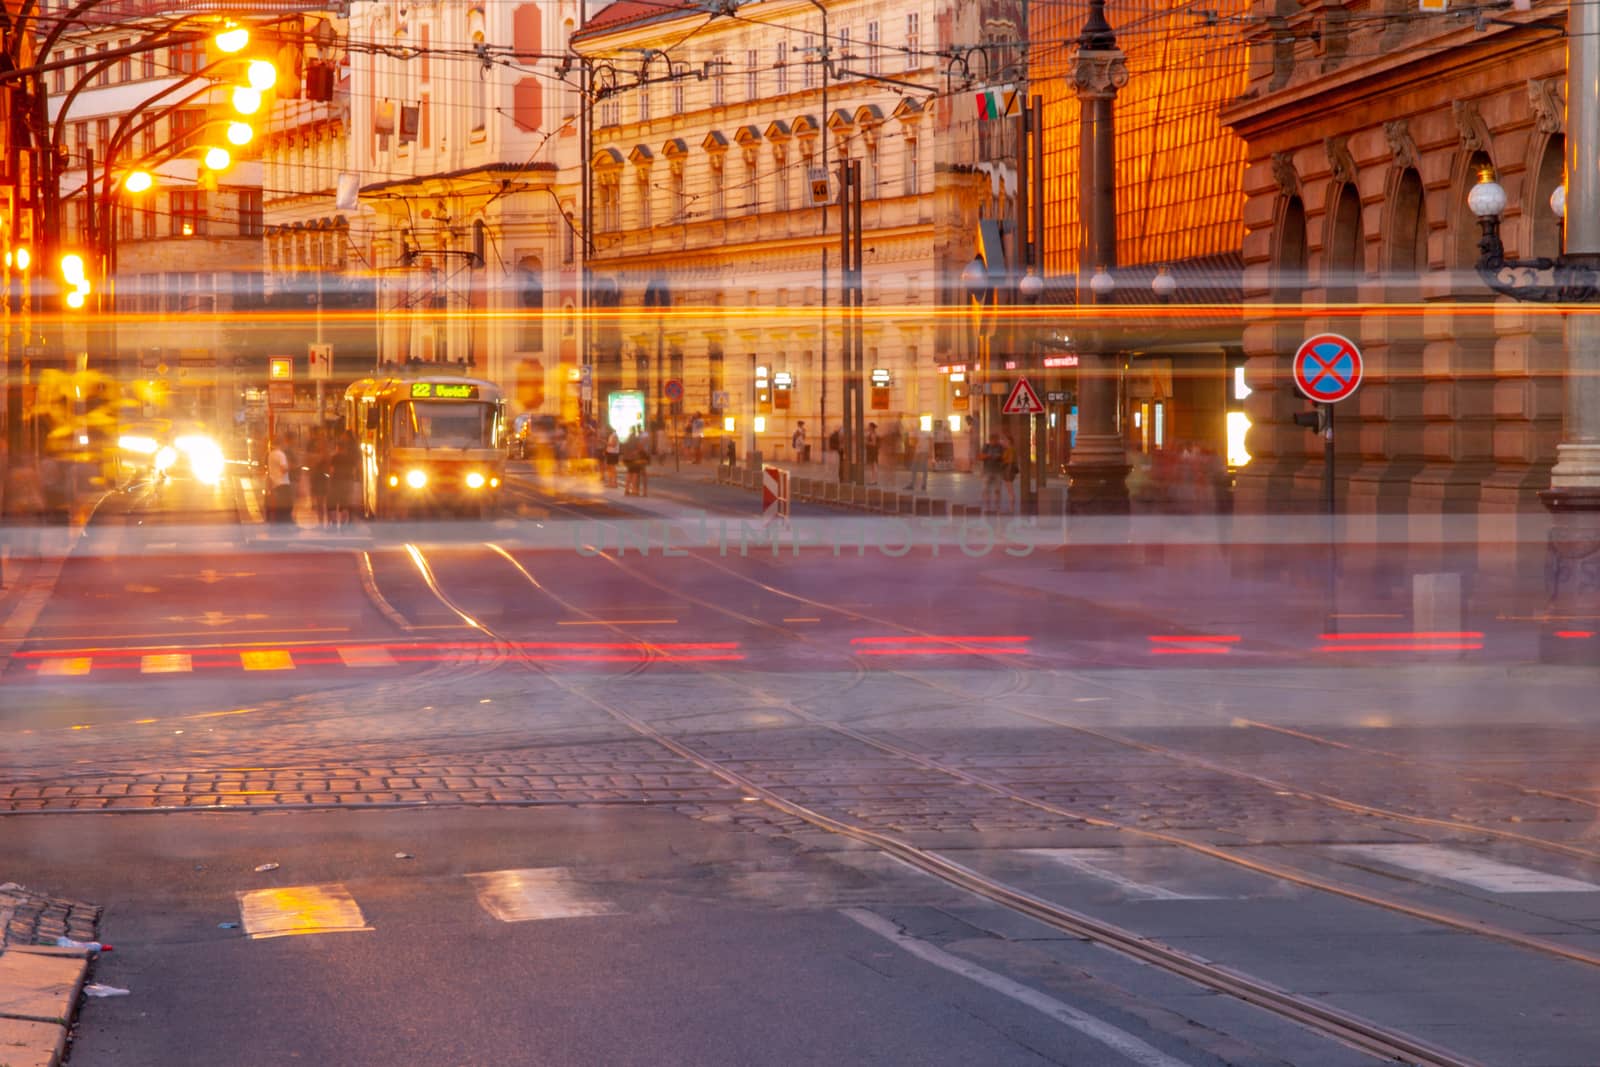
30 918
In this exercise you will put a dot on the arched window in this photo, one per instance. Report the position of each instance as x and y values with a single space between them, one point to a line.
1289 279
1408 255
1548 239
530 304
1346 265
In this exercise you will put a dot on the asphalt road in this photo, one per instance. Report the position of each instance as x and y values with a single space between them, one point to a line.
598 686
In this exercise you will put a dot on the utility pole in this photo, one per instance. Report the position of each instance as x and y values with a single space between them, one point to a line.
851 303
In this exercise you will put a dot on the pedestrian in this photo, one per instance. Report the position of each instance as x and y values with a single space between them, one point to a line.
280 485
917 447
344 481
636 459
697 437
1008 473
993 457
802 449
319 462
871 460
613 455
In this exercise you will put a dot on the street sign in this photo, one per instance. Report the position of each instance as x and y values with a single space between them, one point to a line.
1327 368
1022 400
320 360
673 389
280 368
774 494
280 394
817 180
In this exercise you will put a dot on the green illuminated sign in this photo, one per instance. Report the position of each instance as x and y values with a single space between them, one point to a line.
442 391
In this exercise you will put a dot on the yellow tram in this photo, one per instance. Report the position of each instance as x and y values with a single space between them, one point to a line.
429 444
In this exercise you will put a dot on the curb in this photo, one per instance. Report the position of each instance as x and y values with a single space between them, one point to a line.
40 990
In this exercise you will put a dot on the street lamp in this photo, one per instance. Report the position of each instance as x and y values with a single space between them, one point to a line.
1102 283
1574 277
1031 287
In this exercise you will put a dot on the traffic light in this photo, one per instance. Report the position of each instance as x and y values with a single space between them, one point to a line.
1315 420
319 80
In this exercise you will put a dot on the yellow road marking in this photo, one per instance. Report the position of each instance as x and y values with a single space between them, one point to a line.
166 663
66 666
300 909
182 633
267 660
804 618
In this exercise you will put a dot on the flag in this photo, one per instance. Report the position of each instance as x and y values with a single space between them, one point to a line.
997 102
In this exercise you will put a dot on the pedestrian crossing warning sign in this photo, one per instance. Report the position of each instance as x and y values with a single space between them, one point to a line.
1022 400
820 189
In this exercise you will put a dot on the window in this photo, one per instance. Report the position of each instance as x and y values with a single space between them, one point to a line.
147 212
610 209
844 46
752 188
752 80
102 135
187 57
61 81
569 240
642 182
779 65
872 46
480 110
677 95
675 180
147 65
186 208
913 40
780 178
530 305
808 70
869 168
125 64
644 103
186 124
147 140
913 165
718 204
250 213
719 65
103 76
424 42
714 376
80 138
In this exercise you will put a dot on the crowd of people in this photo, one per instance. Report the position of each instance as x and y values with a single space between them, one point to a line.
325 468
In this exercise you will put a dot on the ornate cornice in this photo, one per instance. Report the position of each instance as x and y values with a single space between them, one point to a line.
1470 125
1402 145
1098 75
1341 164
1284 173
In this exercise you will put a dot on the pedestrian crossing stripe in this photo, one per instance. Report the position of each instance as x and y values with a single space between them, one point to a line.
67 666
166 663
360 656
266 660
534 893
1467 868
300 909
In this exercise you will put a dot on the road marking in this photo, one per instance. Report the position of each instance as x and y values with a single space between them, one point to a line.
300 909
360 656
1118 1040
166 663
68 666
177 633
531 893
1468 868
267 660
616 622
1101 863
803 618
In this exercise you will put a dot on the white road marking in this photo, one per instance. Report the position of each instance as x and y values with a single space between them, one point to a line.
1468 868
531 893
1118 1040
166 663
359 656
300 909
1101 863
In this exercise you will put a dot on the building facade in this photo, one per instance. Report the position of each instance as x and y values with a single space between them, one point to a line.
1365 135
715 170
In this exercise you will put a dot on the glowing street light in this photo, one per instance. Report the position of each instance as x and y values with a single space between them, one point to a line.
239 133
138 182
217 158
72 268
232 40
246 101
261 75
24 258
75 299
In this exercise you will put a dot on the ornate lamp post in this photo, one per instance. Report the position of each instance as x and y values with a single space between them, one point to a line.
1572 555
1099 466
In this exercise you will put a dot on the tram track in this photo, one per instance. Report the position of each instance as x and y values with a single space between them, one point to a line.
1352 1030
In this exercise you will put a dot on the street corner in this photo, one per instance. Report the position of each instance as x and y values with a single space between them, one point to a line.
45 952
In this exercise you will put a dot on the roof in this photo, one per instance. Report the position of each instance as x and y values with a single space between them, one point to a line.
628 12
486 169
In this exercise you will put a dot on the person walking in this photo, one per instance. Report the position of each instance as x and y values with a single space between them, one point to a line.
802 449
280 485
613 456
344 481
917 449
992 455
1008 473
872 446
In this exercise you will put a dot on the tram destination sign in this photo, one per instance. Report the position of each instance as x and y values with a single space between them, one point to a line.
443 391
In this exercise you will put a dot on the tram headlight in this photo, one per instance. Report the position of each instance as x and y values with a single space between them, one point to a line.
394 481
474 480
416 479
494 483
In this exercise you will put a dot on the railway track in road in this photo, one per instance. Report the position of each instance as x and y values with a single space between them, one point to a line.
1355 1031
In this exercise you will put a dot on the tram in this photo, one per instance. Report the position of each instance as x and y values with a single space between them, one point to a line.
430 444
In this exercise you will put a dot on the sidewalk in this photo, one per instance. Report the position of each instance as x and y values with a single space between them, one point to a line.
40 984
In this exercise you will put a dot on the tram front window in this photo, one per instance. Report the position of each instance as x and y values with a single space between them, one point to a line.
440 424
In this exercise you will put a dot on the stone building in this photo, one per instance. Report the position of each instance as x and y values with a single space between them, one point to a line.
1365 131
705 157
462 137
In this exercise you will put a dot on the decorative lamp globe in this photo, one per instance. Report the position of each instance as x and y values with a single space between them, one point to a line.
1164 284
1558 201
1031 286
1487 199
1102 283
